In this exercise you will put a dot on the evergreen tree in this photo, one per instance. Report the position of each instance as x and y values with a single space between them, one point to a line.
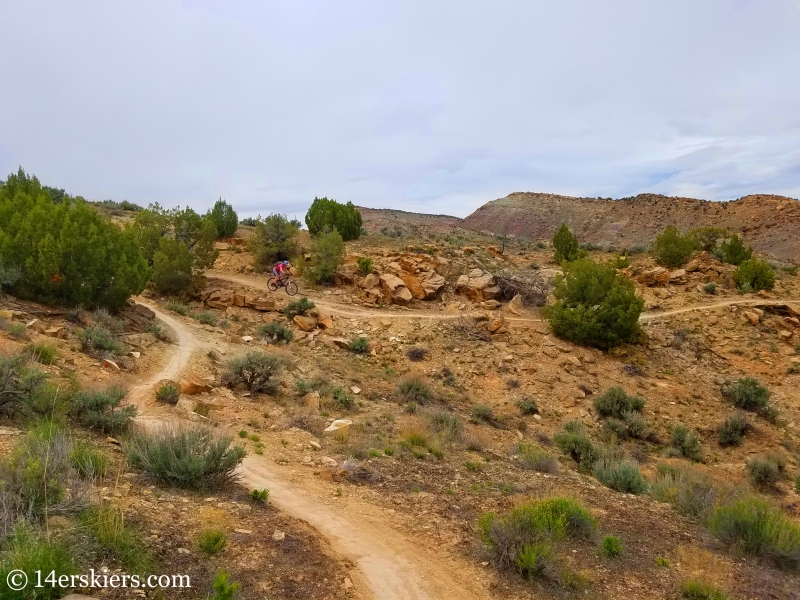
326 215
224 218
566 246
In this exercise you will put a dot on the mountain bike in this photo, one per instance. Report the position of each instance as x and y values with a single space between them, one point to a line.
273 283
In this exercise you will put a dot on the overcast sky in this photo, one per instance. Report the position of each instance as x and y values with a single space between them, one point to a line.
431 106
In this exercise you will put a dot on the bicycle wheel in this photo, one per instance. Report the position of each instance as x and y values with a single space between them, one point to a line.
291 288
272 285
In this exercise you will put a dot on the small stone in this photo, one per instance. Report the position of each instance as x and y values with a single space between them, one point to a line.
243 531
110 364
183 551
278 536
247 339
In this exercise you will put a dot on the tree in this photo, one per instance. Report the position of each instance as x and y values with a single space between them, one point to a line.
274 239
178 243
734 252
566 246
325 215
65 252
754 275
672 249
594 305
224 218
327 251
706 238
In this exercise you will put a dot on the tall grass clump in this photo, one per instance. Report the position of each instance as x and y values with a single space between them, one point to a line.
525 538
697 590
98 341
688 489
615 402
29 551
747 393
620 475
88 462
414 388
684 444
753 526
212 541
731 431
298 307
534 458
187 457
574 440
276 332
43 353
107 525
765 471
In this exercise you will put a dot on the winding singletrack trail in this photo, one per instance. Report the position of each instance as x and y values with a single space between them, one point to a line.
261 283
388 566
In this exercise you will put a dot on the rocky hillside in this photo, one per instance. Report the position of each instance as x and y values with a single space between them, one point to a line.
770 223
377 220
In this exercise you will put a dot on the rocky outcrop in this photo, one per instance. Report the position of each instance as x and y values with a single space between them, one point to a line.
477 285
700 269
395 290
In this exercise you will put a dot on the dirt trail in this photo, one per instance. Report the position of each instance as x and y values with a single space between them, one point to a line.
389 566
261 283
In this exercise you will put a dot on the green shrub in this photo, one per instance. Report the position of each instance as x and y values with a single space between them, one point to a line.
364 265
619 475
481 412
276 332
106 320
528 406
28 551
594 305
88 462
413 388
224 218
298 307
181 309
223 588
707 237
748 394
446 424
612 547
342 398
534 458
696 590
169 394
731 431
524 538
574 440
616 403
101 409
107 524
206 318
710 288
566 246
18 331
274 239
672 249
65 253
684 443
327 253
192 458
733 251
765 471
631 425
43 353
690 491
212 541
417 354
359 345
26 390
98 341
255 370
753 526
261 496
754 275
327 215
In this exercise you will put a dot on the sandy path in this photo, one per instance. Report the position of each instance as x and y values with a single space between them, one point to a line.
390 566
261 283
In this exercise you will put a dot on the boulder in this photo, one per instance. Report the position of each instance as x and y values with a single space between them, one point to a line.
677 277
56 332
477 285
654 277
497 325
785 334
692 266
753 317
220 300
239 299
432 284
338 427
346 274
305 323
260 303
515 306
191 384
414 286
325 321
341 343
395 290
369 282
490 305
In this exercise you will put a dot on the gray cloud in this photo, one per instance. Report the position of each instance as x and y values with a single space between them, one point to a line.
408 104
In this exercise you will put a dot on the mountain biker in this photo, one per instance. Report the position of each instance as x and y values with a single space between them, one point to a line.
281 270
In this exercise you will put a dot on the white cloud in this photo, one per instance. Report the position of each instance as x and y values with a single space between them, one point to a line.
408 104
